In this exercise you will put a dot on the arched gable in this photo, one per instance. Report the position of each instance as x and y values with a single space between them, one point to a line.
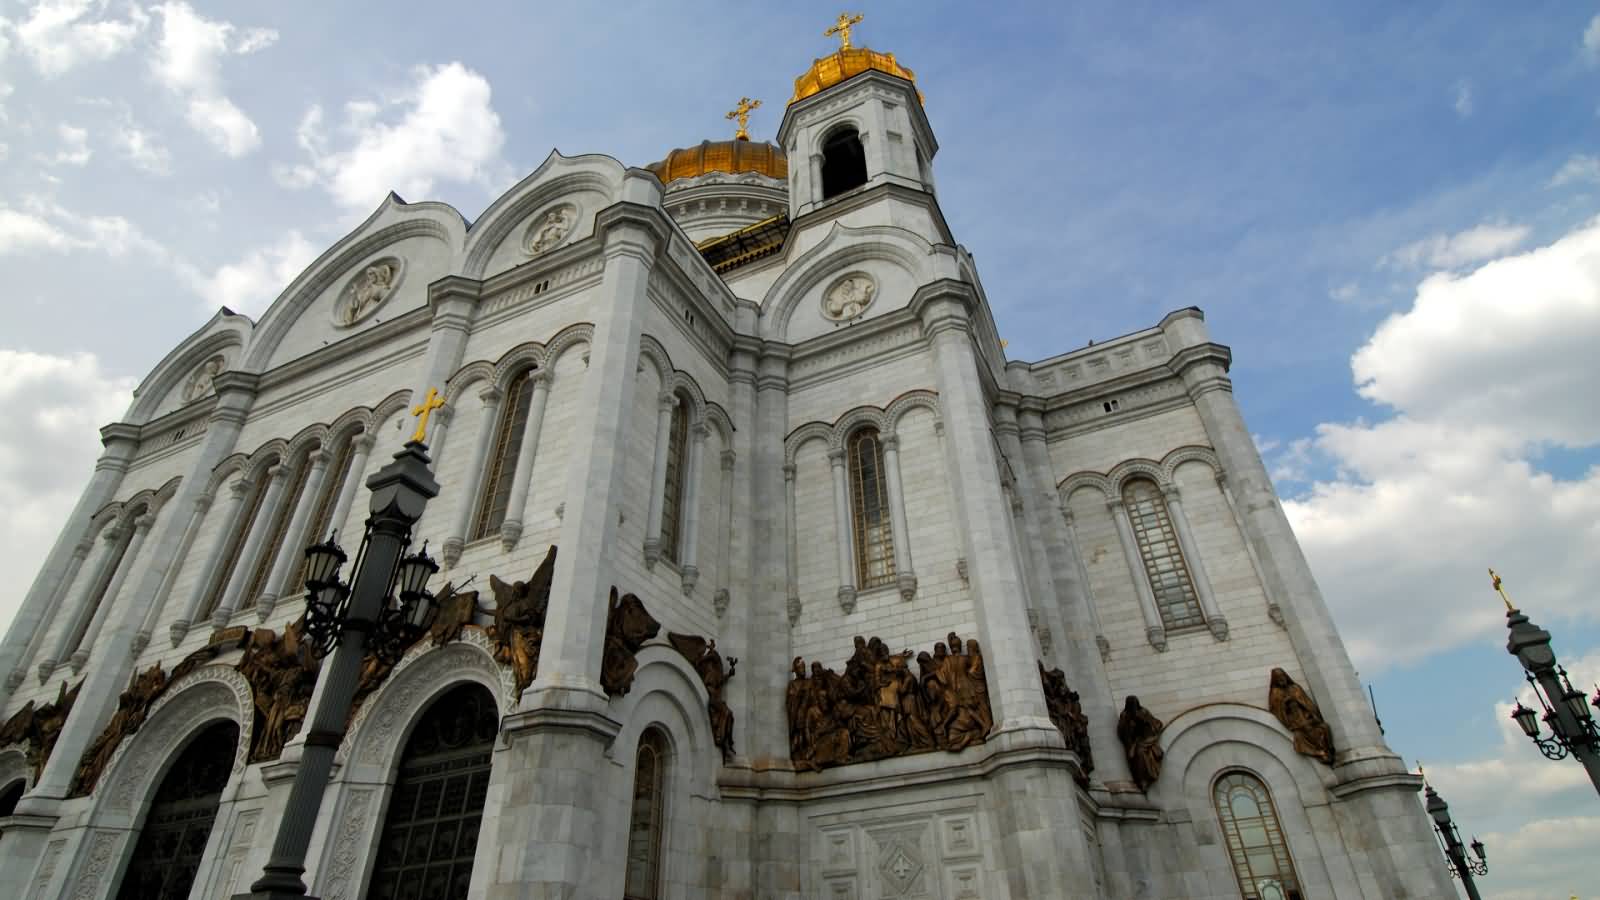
577 187
162 391
425 238
811 431
1128 469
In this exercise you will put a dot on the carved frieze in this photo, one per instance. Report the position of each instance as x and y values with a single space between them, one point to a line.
1299 713
368 289
702 654
282 672
879 708
38 727
628 626
1140 733
518 628
1066 713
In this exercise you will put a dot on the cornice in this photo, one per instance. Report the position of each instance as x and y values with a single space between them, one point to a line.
848 203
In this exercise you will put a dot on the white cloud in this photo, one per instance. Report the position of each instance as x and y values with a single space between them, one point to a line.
1464 103
1449 251
45 225
58 403
1484 372
188 61
1591 38
1576 170
74 147
442 127
142 149
250 284
59 35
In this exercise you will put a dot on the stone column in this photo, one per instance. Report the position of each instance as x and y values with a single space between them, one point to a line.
1274 611
453 301
1155 631
78 602
32 619
516 506
689 537
1075 548
295 538
905 575
792 556
725 538
1197 568
739 627
206 585
360 451
766 737
1037 619
843 531
1329 674
491 398
1015 693
14 680
191 530
254 545
130 557
438 432
665 403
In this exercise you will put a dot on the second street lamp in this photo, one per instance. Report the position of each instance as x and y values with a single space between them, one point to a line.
1460 864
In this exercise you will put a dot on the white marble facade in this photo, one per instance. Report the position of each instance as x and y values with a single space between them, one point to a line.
1008 484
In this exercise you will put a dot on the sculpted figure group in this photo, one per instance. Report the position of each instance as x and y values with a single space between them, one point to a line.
282 673
628 626
1294 707
879 708
707 662
1140 733
519 611
38 727
132 707
1066 713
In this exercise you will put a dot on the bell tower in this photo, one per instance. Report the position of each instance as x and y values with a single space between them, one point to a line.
855 123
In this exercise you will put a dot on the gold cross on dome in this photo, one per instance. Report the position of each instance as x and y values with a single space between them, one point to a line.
423 410
842 29
742 113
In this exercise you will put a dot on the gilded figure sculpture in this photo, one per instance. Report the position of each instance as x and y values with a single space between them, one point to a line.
519 611
628 626
1066 713
132 707
707 662
1299 713
1140 733
879 708
282 673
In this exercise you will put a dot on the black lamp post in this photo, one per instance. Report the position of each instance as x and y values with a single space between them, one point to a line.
1455 853
1566 710
382 610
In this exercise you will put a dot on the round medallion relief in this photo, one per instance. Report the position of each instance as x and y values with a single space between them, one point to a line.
849 297
368 289
199 383
549 228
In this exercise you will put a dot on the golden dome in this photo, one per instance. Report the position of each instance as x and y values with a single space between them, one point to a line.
844 65
732 157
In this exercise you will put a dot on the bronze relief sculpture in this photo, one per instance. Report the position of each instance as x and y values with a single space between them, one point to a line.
519 611
707 662
628 626
1066 713
38 727
1140 733
879 708
282 673
1299 713
132 706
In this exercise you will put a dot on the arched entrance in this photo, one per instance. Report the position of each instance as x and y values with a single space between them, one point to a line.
430 833
173 838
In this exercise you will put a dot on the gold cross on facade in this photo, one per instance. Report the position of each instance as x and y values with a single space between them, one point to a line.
423 410
742 113
842 29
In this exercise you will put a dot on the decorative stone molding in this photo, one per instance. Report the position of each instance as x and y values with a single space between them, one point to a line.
549 228
849 296
373 736
189 703
200 380
793 607
847 598
349 842
368 290
720 601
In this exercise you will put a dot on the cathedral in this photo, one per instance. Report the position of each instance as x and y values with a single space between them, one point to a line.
763 573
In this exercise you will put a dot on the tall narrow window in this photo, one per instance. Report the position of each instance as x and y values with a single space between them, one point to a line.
175 832
643 880
503 455
1163 560
1256 846
430 833
677 467
236 542
869 502
279 527
98 595
844 162
322 517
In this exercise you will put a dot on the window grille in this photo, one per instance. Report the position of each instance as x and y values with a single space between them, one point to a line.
503 455
869 502
287 501
1163 559
645 822
173 838
677 467
236 543
1256 845
98 596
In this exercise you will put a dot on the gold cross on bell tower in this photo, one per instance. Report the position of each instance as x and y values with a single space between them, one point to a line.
842 29
423 410
742 113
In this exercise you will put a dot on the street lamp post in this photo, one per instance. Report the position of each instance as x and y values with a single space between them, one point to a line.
343 623
1566 710
1455 853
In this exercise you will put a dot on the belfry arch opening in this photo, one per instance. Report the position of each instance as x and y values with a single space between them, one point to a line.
844 162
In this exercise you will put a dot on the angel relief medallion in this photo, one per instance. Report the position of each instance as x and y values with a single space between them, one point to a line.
368 289
549 229
199 383
849 297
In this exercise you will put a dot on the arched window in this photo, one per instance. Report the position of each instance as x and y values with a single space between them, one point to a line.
97 594
643 880
677 469
1256 846
11 796
322 517
869 509
430 833
1163 560
174 835
502 466
844 163
236 542
278 528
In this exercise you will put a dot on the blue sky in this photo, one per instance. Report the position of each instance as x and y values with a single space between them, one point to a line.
1387 210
